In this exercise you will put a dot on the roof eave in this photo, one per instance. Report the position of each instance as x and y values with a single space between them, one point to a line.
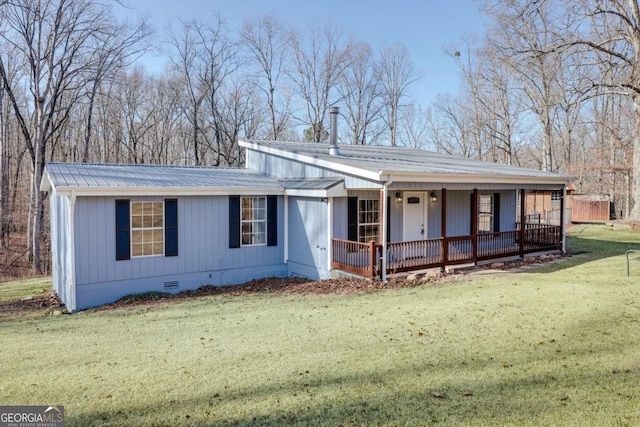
474 178
165 191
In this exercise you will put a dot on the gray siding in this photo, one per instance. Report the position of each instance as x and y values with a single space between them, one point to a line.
340 218
203 257
308 240
286 168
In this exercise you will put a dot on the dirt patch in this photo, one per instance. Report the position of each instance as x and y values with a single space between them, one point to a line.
48 303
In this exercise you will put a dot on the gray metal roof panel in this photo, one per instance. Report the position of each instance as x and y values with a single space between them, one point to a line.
310 183
404 160
88 175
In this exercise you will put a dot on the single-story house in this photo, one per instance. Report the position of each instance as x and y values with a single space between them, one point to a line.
302 209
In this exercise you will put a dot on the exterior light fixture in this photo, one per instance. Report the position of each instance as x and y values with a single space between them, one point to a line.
434 197
398 197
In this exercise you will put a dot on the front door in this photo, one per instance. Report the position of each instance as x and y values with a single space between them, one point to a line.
415 216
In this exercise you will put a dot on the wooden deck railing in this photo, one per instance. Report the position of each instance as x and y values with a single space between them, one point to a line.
354 257
364 258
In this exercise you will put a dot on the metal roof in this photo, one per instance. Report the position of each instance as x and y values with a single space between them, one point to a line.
88 176
310 183
380 160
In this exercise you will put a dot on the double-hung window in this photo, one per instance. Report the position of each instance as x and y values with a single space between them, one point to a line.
146 228
254 221
368 220
485 214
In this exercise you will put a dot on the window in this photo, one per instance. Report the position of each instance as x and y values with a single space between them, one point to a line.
147 228
253 221
485 214
556 198
368 220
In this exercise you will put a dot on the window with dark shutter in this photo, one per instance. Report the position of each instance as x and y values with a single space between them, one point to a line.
272 220
170 227
352 219
234 221
123 247
496 212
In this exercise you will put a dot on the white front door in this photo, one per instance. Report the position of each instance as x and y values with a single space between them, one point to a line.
415 216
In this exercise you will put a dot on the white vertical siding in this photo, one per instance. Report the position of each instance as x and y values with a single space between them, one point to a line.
286 168
308 227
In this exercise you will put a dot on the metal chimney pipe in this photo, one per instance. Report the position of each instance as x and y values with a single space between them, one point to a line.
334 150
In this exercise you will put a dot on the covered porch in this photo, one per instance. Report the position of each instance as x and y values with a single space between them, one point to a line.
377 258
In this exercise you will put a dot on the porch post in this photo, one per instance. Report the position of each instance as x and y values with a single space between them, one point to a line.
383 236
522 222
562 220
474 224
443 231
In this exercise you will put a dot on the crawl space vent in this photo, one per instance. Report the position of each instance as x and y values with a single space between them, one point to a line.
171 285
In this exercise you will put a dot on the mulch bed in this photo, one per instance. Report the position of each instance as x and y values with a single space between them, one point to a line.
50 303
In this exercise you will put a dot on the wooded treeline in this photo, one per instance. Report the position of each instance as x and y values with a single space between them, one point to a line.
552 86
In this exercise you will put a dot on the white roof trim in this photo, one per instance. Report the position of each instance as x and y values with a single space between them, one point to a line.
166 191
335 191
477 178
310 160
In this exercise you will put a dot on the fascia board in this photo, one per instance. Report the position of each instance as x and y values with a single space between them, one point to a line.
478 179
163 191
351 170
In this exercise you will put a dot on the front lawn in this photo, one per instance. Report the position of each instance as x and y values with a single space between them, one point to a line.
553 345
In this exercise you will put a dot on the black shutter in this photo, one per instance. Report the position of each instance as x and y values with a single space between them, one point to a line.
171 227
123 246
388 219
272 220
496 212
471 216
234 221
352 219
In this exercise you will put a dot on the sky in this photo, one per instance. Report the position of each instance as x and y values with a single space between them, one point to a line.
425 27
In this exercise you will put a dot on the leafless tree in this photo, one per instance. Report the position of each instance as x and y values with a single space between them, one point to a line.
316 66
268 41
396 74
359 89
53 42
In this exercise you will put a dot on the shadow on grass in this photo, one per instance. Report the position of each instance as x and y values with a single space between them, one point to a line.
521 393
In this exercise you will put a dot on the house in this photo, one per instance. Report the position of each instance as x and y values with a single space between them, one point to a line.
304 209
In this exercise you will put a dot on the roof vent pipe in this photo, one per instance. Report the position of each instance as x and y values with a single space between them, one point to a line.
333 136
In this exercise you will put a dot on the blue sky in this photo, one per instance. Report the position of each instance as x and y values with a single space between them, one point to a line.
426 27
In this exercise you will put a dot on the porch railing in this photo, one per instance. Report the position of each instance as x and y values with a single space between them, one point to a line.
354 257
365 258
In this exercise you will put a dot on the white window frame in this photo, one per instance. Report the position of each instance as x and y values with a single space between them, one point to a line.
485 218
369 222
253 222
556 198
133 229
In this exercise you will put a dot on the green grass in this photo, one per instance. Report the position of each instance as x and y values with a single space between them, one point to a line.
554 345
30 287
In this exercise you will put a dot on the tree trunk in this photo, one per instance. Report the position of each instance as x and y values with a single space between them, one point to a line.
4 170
635 211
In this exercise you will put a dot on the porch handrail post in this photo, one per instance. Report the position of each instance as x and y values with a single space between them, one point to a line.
562 221
443 231
372 259
474 225
522 222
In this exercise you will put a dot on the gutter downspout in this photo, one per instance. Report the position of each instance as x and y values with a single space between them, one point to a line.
385 193
286 229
